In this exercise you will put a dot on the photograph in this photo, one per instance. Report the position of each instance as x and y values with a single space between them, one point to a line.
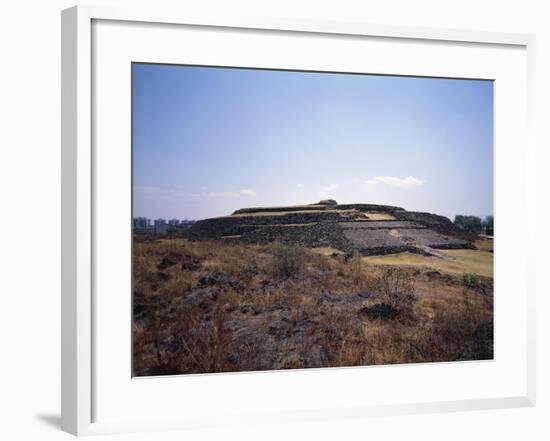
287 219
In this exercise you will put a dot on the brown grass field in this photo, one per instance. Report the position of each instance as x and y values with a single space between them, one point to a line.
203 307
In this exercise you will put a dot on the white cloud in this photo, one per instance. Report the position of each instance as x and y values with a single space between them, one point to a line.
224 194
247 192
233 194
300 186
393 181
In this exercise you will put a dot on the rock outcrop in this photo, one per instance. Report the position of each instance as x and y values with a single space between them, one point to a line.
366 228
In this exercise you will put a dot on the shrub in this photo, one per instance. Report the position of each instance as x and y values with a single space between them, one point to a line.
397 292
470 280
288 259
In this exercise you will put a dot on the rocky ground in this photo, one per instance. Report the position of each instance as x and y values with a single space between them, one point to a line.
211 306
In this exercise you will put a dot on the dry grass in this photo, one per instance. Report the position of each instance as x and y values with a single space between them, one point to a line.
379 216
484 244
465 261
326 251
217 307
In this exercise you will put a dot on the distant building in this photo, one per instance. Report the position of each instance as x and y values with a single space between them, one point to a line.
160 226
141 223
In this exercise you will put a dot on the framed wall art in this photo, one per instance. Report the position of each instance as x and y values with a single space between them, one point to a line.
270 220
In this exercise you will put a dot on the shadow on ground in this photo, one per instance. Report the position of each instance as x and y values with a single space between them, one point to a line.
51 419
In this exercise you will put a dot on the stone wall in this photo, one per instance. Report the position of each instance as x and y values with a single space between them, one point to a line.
313 235
232 225
441 224
343 227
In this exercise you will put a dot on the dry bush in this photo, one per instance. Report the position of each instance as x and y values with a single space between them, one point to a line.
356 268
396 288
288 259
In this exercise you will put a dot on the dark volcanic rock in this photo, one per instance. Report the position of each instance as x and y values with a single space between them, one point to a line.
211 279
167 262
433 274
218 278
233 358
249 309
190 264
280 329
162 276
345 227
141 311
380 311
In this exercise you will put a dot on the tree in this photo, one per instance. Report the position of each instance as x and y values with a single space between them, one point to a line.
488 225
471 224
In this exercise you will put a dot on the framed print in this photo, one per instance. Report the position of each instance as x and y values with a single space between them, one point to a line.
255 208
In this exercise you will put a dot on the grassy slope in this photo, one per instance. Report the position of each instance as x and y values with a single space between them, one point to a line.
466 261
484 244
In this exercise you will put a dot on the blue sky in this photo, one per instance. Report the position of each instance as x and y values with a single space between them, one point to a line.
207 141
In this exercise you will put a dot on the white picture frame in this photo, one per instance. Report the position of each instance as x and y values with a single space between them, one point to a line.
79 232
